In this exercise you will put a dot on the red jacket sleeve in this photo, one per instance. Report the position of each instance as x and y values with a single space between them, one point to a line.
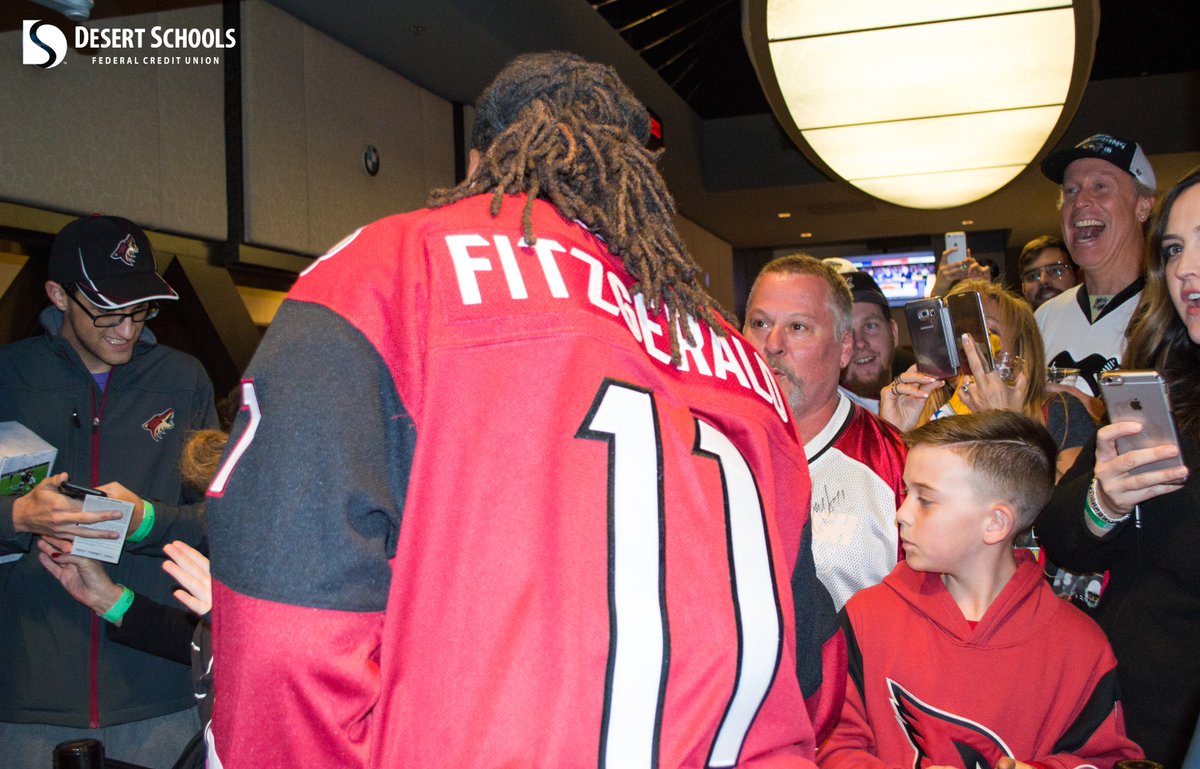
294 683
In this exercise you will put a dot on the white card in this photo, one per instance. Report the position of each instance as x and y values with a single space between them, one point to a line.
107 550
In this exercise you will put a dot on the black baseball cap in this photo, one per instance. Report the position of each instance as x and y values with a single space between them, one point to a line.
110 260
1125 155
864 289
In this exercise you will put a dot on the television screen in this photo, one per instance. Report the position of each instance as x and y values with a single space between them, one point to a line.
903 277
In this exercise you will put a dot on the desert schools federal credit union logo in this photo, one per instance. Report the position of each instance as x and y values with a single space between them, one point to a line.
43 44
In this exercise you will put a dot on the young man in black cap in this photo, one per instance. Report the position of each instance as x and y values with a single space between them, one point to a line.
873 359
1106 195
117 406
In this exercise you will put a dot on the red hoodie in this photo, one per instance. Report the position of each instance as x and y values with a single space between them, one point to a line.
1034 680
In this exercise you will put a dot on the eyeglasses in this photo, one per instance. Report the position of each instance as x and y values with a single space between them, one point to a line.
1055 271
111 319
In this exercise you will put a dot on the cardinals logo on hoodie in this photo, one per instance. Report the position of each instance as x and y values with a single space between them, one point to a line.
944 739
159 424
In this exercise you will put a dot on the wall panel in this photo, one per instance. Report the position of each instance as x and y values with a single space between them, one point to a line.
311 106
143 141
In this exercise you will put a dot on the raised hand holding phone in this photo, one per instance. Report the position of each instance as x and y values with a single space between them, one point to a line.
987 388
956 247
1137 455
1120 487
1141 397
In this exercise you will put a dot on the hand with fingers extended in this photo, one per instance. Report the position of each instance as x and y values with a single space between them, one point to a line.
901 402
189 568
83 578
987 389
46 512
1119 487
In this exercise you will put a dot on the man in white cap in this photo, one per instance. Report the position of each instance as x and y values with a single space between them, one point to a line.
118 407
1106 195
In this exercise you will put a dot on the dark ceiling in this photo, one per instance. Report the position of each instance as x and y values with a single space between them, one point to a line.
730 166
696 46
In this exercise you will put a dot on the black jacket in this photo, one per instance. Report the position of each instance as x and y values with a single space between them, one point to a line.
45 635
1150 608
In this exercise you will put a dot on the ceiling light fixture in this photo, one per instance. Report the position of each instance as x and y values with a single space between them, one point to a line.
75 10
929 104
784 215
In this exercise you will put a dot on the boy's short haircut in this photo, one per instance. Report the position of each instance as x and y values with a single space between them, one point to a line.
1010 455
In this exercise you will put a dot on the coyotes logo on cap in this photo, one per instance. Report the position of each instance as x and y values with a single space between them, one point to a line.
942 738
159 424
126 251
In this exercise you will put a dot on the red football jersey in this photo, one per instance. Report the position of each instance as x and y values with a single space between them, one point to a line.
473 516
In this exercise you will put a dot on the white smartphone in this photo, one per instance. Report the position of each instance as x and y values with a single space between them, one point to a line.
958 242
1141 396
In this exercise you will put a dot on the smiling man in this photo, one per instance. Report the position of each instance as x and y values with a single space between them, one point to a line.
117 406
799 318
872 360
1046 270
1106 195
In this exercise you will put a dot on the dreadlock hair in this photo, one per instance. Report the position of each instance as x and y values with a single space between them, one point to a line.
555 126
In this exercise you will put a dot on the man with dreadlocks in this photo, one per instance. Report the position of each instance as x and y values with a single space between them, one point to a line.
531 498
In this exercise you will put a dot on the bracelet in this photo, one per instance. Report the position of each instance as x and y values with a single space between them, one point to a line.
119 608
147 522
1096 512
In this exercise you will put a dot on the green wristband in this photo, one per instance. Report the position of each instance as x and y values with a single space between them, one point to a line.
119 608
143 531
1098 522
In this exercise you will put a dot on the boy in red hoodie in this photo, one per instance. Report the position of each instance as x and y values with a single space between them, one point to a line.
963 656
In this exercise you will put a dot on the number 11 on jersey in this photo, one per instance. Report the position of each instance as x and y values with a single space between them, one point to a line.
626 418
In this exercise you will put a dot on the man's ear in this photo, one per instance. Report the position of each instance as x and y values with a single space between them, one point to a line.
473 158
1001 520
58 295
1145 205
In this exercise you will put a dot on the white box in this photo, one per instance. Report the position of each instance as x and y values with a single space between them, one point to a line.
25 459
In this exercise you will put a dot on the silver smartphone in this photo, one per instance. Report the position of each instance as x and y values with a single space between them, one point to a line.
958 242
1141 396
966 317
932 337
